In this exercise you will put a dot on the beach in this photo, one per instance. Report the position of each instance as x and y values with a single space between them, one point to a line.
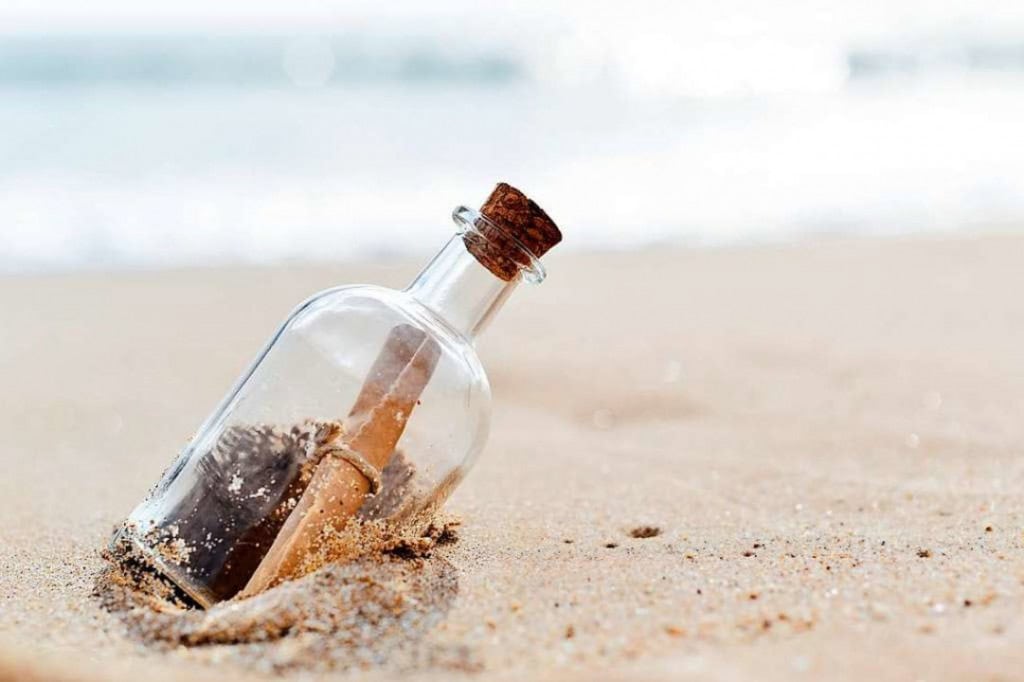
795 461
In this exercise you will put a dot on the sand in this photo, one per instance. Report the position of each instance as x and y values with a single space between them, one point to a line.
792 462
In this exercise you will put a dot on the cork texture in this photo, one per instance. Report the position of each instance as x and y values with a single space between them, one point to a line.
516 222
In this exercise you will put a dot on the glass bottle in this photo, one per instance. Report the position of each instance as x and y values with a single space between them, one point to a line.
367 404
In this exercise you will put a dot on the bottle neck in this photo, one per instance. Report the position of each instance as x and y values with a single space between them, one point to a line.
457 288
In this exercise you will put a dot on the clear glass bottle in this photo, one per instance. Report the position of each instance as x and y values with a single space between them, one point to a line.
372 392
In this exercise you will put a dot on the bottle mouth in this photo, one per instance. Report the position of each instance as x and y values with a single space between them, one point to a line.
474 226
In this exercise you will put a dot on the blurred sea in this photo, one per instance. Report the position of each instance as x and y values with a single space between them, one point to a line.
138 151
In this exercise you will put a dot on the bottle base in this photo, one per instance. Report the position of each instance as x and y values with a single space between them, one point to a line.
126 544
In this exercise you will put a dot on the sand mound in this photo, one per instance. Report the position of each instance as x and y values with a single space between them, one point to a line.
372 611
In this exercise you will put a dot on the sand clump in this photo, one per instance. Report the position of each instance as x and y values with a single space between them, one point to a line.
643 532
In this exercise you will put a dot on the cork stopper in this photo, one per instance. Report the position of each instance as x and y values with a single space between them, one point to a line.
514 223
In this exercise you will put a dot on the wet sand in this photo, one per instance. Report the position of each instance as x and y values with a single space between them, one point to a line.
819 447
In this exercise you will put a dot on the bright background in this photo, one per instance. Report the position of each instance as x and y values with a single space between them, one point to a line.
136 134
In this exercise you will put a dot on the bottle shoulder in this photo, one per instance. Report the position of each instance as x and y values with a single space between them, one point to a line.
341 292
395 307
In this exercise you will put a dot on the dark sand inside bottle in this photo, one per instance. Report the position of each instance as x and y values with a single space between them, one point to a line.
252 480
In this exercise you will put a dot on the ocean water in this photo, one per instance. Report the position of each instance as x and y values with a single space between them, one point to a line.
143 151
